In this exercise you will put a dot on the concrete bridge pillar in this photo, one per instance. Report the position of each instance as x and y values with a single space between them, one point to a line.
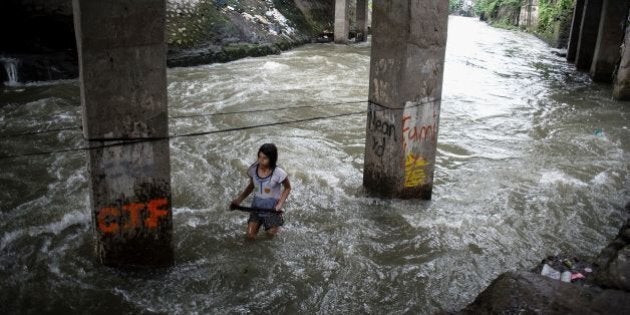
406 70
621 90
574 36
122 62
588 34
362 20
611 33
342 23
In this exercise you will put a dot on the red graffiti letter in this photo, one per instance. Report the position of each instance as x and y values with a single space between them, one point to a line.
103 225
403 123
156 211
134 215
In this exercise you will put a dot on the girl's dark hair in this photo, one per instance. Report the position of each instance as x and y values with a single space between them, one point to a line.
270 150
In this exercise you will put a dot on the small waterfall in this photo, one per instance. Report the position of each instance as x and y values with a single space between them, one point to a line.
11 69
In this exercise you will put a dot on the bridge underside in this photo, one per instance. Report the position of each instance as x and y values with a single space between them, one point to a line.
598 31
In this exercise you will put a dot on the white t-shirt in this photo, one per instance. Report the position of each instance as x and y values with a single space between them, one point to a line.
267 190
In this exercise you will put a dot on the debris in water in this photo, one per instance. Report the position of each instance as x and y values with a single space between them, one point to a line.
577 276
547 271
566 276
564 269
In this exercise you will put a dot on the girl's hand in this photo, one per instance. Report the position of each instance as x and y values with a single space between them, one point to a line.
278 208
235 203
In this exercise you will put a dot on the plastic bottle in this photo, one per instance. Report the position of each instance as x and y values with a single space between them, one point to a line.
566 276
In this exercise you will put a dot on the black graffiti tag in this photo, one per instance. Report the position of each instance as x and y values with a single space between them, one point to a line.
378 127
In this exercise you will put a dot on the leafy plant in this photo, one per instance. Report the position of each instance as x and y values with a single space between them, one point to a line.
551 11
455 5
490 8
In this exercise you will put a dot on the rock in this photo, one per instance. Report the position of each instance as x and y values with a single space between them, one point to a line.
559 53
616 274
211 31
610 252
524 292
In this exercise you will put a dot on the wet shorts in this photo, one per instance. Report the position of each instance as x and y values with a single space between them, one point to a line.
267 219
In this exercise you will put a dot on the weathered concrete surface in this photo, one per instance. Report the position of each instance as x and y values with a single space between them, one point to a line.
529 14
362 20
529 293
611 35
561 30
621 90
208 31
342 24
588 34
122 67
507 13
122 62
131 203
576 25
404 97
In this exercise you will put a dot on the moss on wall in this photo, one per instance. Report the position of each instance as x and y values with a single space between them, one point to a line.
554 21
502 12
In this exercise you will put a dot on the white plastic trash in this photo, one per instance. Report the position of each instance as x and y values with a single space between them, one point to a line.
547 271
566 276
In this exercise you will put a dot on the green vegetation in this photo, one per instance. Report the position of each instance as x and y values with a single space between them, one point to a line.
504 24
554 17
455 5
550 12
188 25
489 9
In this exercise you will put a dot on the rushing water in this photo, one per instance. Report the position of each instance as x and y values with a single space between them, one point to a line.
532 161
11 70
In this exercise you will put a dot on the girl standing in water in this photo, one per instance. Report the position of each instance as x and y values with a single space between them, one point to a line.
266 180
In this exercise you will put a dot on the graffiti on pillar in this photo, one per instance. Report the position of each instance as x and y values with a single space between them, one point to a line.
382 131
132 216
414 170
419 133
381 85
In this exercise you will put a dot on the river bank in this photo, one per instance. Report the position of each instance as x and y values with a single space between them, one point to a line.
548 20
606 291
210 31
41 45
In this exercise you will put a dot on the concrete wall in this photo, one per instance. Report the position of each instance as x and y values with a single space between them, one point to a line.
528 17
588 34
611 35
621 90
509 15
575 29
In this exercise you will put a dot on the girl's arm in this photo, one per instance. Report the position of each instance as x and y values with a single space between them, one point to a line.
248 190
285 193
